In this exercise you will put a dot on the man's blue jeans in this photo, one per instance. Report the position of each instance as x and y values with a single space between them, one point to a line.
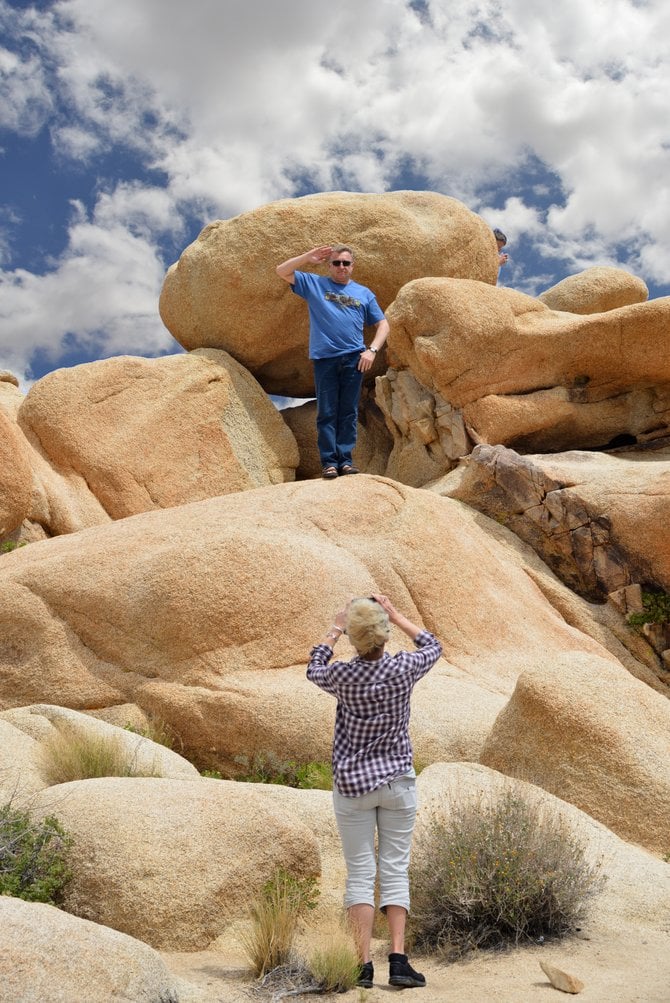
338 391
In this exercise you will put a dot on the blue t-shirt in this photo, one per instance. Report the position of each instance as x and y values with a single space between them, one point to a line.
337 314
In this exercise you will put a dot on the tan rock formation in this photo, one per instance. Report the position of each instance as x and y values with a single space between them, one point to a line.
224 293
492 365
41 721
153 433
596 737
15 476
45 954
172 862
20 775
7 377
105 618
598 520
595 290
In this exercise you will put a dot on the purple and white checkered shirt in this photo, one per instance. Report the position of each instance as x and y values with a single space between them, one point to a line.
371 745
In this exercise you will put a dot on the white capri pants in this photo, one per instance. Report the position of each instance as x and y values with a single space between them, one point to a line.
391 810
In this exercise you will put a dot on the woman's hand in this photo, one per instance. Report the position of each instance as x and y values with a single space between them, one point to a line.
399 619
386 604
340 619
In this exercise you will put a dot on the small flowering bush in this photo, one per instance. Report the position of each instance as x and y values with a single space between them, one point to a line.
497 874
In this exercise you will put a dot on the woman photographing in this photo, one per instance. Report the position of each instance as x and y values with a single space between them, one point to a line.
374 783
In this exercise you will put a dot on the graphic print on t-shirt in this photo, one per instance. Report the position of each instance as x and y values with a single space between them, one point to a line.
341 299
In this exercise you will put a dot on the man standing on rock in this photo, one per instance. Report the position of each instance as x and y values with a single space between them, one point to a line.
338 310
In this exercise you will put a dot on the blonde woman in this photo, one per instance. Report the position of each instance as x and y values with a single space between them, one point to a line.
374 783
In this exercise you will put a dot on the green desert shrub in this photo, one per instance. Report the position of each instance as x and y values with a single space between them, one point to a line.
497 873
7 546
275 916
33 856
81 755
655 609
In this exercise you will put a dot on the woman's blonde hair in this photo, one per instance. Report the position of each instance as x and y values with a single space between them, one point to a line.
367 625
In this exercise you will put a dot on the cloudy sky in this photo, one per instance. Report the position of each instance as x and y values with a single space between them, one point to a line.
127 125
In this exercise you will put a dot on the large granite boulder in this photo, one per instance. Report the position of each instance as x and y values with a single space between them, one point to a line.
173 862
595 290
204 615
153 433
477 364
224 292
47 955
596 737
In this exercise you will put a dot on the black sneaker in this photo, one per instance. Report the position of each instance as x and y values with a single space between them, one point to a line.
402 974
366 975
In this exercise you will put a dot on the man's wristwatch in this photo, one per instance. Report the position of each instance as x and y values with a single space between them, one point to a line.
373 350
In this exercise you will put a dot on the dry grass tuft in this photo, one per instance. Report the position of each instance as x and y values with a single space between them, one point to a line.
78 755
275 917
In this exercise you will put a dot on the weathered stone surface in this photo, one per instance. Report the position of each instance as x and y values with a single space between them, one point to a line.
224 292
153 433
562 980
597 519
104 618
15 476
7 377
429 435
372 447
45 954
20 775
511 371
172 862
576 542
596 737
595 290
40 721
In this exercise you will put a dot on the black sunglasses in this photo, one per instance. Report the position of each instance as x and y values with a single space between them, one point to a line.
341 261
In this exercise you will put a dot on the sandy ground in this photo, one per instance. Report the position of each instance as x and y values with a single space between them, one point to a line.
626 967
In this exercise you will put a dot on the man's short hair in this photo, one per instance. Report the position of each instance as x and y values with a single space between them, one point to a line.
342 247
499 235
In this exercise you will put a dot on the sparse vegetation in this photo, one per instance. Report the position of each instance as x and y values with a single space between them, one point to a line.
655 609
7 546
156 730
335 967
266 768
275 916
33 856
496 874
79 755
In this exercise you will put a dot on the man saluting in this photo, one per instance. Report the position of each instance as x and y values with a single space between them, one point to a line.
338 310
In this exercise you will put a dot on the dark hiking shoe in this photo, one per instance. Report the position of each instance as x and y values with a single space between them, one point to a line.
366 975
402 974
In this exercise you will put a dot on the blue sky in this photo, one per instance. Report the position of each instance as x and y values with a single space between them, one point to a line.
127 125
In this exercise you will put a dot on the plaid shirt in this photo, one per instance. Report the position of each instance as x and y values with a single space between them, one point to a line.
371 745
